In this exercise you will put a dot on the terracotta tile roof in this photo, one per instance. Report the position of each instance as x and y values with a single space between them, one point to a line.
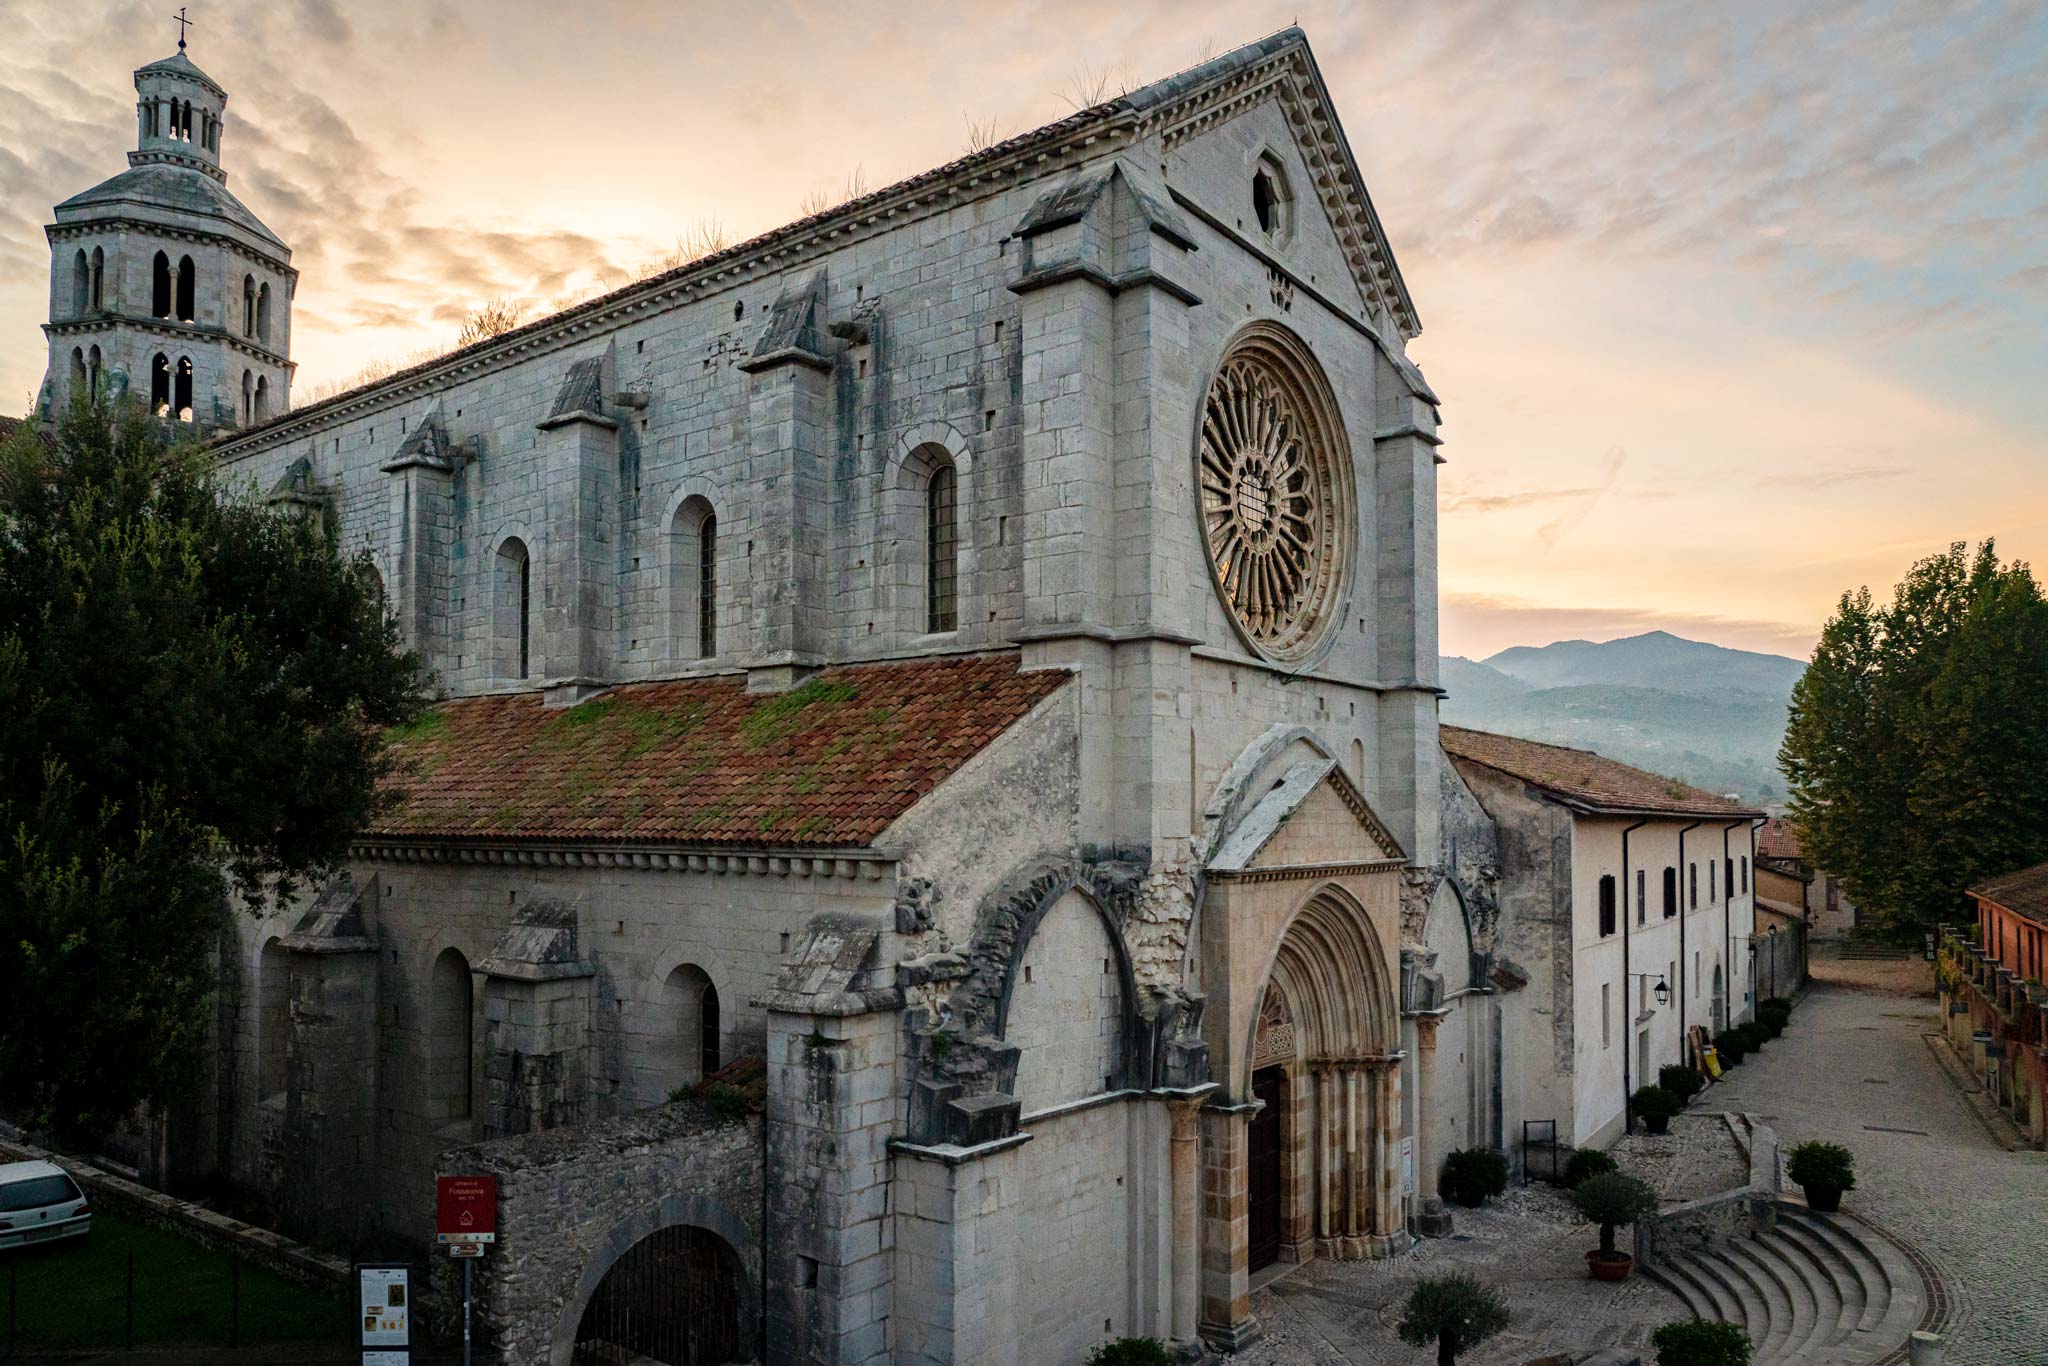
703 762
1778 839
1582 778
2024 893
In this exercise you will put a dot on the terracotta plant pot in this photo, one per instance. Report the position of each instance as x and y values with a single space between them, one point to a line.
1605 1268
1826 1199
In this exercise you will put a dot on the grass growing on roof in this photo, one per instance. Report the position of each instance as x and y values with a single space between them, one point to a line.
778 718
429 725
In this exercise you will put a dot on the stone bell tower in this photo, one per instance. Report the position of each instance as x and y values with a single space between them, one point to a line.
163 285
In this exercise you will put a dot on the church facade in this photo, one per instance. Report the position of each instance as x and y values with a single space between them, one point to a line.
971 652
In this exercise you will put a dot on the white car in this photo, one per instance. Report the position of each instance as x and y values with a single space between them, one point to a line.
39 1202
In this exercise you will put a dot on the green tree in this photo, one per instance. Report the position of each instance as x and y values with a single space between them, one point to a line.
1916 756
1455 1311
196 687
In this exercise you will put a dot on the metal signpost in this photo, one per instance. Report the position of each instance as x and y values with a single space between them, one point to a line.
384 1313
466 1221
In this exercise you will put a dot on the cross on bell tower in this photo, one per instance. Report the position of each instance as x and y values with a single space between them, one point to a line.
183 24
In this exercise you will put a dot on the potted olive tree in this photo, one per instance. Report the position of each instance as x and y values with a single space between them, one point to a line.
1454 1311
1655 1106
1823 1171
1611 1200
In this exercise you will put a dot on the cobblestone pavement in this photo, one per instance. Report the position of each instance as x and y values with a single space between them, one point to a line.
1529 1245
1854 1068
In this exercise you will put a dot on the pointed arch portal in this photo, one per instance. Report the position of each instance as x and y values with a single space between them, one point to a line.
1323 1152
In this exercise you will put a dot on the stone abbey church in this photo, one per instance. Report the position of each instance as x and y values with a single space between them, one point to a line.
964 662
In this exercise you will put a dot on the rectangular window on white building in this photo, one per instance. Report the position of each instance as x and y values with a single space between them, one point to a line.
1606 1022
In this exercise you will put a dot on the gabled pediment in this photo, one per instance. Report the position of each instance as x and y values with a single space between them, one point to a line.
1312 818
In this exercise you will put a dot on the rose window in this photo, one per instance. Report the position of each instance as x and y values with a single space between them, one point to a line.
1274 498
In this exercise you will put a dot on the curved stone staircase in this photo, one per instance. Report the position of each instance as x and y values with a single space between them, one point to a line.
1822 1290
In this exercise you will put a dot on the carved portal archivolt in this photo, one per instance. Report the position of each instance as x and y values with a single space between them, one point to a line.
1323 1055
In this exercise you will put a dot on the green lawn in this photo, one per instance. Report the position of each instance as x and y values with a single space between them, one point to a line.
75 1293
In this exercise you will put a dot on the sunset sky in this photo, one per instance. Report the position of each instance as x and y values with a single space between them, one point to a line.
1729 311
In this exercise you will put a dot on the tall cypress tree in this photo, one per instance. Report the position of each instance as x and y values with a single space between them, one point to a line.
1917 750
195 688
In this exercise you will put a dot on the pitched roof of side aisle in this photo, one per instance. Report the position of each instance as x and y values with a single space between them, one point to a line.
828 764
2023 893
1584 781
1014 157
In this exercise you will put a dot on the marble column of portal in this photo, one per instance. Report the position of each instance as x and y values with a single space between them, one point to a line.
1185 1116
1357 1150
1329 1177
1432 1220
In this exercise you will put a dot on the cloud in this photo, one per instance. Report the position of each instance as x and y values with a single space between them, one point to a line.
1824 479
1578 510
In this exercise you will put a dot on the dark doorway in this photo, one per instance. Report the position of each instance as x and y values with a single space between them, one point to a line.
1266 1152
673 1298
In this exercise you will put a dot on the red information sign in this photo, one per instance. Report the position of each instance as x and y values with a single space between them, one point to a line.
466 1209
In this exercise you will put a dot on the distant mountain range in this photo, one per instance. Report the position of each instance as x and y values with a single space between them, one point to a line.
1707 715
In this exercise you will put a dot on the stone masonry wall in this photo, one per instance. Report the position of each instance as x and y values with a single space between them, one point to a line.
572 1201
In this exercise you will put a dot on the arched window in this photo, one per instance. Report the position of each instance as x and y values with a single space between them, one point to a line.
448 1039
273 1019
188 290
248 397
512 609
248 305
693 580
81 284
263 312
690 1002
942 551
160 288
181 390
99 277
92 370
262 397
78 380
160 385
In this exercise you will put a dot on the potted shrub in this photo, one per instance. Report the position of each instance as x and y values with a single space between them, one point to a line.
1585 1163
1701 1342
1731 1045
1611 1200
1654 1106
1455 1312
1681 1081
1774 1015
1131 1352
1823 1171
1472 1174
1754 1036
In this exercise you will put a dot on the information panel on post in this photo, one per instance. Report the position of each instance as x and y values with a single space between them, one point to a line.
384 1304
466 1209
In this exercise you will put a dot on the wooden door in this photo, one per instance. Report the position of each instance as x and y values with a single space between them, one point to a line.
1266 1151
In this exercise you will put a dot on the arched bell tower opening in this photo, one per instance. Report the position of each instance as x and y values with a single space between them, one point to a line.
162 258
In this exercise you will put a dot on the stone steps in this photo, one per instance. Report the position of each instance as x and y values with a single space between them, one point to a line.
1822 1290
